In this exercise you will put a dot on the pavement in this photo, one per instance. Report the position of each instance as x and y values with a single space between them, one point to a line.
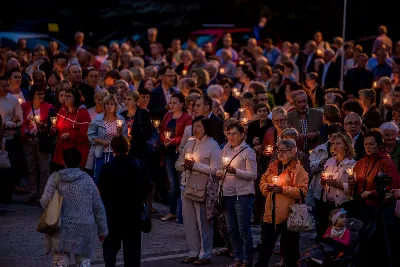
21 245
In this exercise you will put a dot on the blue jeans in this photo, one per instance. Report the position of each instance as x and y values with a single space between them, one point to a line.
237 212
99 162
174 190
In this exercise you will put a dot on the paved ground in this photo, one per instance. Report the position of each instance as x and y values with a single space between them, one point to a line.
21 245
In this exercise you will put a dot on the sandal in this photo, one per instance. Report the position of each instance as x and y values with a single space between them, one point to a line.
199 262
188 260
169 217
236 264
153 210
223 252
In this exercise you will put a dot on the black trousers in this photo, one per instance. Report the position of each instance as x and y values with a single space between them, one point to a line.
131 244
17 160
289 245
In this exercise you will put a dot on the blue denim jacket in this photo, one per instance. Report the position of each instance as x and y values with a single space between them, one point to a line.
98 130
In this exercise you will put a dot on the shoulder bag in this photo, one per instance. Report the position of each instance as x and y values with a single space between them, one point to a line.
50 220
300 218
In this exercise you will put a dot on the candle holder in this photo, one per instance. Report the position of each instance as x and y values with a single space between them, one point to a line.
20 101
269 149
53 120
325 175
189 155
37 118
275 180
375 84
222 70
240 110
156 123
184 72
244 121
310 151
119 123
225 161
237 93
350 171
241 62
234 90
167 134
191 138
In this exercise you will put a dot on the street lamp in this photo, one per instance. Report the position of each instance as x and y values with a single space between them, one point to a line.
343 36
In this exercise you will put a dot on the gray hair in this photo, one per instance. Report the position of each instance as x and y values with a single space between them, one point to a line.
290 144
288 133
389 126
299 92
279 110
215 91
354 114
126 75
138 61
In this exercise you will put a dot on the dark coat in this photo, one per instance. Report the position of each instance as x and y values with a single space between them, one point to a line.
158 102
217 129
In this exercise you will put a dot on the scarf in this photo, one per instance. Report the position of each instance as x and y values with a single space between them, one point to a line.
338 232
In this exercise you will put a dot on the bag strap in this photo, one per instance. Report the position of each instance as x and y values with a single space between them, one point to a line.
302 196
57 178
232 160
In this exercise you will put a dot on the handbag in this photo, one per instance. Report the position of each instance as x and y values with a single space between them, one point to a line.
145 216
219 206
4 160
195 188
300 218
154 142
50 220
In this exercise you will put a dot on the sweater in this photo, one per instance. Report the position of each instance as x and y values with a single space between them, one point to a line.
344 238
83 217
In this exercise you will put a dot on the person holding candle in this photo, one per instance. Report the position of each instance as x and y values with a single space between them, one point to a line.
62 87
390 143
376 161
289 187
35 135
171 133
247 112
183 68
384 98
238 192
202 79
371 117
336 182
102 130
199 156
71 128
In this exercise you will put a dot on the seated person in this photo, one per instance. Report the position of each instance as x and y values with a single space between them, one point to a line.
338 230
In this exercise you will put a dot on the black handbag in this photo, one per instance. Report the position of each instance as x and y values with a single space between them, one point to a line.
45 142
154 142
145 217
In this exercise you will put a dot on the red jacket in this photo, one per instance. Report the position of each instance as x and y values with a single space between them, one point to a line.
368 167
76 124
181 123
270 138
344 239
45 110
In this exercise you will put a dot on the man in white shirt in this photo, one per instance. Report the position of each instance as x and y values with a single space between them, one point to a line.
329 74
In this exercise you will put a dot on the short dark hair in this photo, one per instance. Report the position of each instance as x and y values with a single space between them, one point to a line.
207 101
61 55
180 96
114 74
196 91
262 105
335 128
10 72
144 91
78 97
120 145
236 125
164 69
312 76
4 78
37 87
224 81
72 157
375 133
56 73
249 73
353 105
331 113
267 70
206 122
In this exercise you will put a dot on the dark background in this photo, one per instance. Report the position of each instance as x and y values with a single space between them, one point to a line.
291 20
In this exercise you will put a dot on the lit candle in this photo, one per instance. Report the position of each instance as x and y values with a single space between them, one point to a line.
20 100
325 175
191 138
225 161
241 62
275 179
385 100
310 151
237 93
156 123
226 114
319 52
189 155
184 72
269 148
53 120
37 118
234 90
244 120
167 134
222 70
240 110
350 171
375 84
119 123
129 131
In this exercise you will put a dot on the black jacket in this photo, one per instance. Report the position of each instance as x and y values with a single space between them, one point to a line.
357 79
88 93
372 118
232 105
217 129
359 147
332 76
254 130
158 102
123 188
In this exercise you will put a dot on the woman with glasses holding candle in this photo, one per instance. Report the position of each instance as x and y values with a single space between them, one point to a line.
35 126
238 176
285 181
71 128
102 130
337 180
171 133
376 161
199 156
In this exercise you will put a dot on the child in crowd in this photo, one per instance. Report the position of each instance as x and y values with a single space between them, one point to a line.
338 231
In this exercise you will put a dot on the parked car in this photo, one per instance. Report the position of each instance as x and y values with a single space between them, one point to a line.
10 39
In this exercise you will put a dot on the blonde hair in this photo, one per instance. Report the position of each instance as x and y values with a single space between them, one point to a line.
350 152
109 98
186 53
135 95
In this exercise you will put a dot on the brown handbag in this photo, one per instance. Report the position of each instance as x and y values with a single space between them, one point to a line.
196 186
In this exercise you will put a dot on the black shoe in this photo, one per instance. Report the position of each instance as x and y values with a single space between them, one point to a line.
255 223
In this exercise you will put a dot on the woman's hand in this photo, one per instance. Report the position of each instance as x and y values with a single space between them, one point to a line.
220 174
53 129
230 169
334 183
365 194
167 142
257 148
64 136
256 141
277 189
188 165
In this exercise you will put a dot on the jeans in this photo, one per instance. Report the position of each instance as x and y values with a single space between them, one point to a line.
237 212
99 162
289 245
174 190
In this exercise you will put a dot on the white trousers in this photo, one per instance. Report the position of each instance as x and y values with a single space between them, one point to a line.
199 231
63 260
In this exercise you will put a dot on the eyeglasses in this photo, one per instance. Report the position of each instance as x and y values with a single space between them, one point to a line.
280 121
39 93
263 99
17 77
357 123
281 151
69 96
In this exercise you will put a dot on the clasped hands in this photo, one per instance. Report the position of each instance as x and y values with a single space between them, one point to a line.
274 188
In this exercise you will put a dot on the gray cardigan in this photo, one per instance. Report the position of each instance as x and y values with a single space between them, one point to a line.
83 217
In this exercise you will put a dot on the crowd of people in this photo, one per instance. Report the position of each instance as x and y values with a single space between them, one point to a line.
228 138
